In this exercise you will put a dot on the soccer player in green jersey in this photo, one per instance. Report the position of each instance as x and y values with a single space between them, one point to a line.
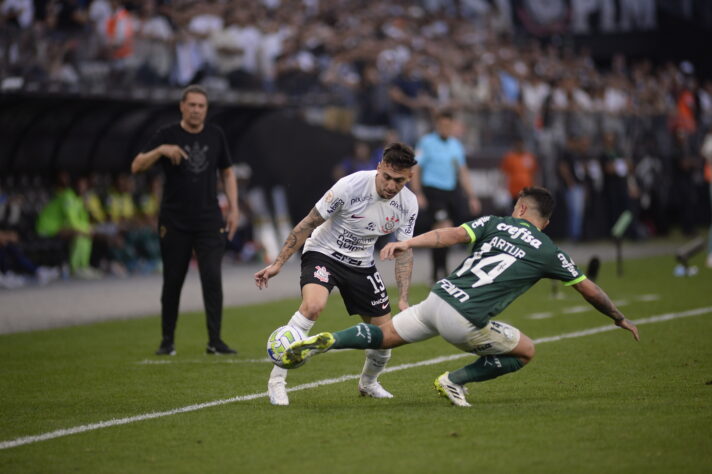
509 255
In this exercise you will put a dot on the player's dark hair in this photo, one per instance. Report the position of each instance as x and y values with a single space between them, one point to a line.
543 199
193 89
399 156
444 114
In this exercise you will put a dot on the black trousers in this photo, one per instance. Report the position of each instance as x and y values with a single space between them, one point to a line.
176 251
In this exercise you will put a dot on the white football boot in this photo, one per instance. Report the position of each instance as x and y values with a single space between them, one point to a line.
455 392
373 390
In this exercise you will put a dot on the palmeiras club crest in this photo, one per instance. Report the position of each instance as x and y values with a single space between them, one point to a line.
390 224
322 274
197 161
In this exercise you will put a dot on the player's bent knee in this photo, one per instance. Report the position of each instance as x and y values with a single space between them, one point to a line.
391 338
525 349
311 309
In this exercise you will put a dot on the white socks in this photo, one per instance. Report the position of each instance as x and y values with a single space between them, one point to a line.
376 360
301 322
304 324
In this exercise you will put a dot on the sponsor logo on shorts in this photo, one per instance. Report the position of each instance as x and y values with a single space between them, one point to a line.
322 274
483 347
380 301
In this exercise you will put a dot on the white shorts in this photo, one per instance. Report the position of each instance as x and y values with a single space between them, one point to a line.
434 316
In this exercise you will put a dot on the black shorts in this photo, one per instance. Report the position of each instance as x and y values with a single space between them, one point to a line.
445 205
362 289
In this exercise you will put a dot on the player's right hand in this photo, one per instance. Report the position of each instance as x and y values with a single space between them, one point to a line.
629 326
263 276
174 153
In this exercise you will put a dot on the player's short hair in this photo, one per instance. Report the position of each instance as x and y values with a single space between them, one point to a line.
193 89
399 156
445 114
544 201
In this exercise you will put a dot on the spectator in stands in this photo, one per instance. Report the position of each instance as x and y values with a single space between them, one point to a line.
154 44
66 217
360 160
619 184
686 168
118 35
707 154
520 169
15 264
411 96
572 172
236 47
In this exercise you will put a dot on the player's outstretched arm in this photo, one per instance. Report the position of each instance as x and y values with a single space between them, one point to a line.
296 238
445 237
600 300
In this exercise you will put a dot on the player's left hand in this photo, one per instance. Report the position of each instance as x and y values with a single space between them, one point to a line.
392 249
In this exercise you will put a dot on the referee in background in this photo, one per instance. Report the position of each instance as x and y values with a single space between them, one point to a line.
442 185
191 153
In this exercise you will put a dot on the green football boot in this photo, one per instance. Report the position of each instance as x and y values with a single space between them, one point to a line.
299 352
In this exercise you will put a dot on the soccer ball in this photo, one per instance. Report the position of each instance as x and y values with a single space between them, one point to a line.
280 340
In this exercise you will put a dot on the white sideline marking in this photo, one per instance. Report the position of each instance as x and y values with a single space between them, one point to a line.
540 315
149 416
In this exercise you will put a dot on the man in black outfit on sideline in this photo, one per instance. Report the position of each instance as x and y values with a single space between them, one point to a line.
191 153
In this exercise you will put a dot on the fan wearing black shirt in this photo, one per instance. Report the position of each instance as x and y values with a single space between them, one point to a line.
191 153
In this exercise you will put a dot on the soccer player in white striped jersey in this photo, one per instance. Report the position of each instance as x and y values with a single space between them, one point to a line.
339 235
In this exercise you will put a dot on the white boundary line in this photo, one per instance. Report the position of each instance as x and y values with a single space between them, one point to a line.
149 416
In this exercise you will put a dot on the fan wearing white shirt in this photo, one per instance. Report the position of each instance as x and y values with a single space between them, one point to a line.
338 237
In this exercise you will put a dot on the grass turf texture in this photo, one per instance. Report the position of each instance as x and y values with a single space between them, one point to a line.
591 404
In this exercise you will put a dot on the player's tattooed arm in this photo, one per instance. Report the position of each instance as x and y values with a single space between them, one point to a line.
598 298
404 273
298 235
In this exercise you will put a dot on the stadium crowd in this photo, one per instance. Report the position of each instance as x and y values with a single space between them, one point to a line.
608 136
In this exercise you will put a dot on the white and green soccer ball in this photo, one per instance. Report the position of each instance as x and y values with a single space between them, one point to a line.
280 340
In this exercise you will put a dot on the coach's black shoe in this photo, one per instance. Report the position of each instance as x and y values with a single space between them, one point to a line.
166 349
219 348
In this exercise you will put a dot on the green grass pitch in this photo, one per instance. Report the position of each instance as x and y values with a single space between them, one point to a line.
595 403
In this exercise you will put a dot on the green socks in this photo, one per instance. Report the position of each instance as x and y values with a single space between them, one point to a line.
361 336
486 368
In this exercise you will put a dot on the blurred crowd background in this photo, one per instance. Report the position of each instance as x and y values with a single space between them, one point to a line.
596 100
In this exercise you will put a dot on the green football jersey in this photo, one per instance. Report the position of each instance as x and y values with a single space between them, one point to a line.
509 255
